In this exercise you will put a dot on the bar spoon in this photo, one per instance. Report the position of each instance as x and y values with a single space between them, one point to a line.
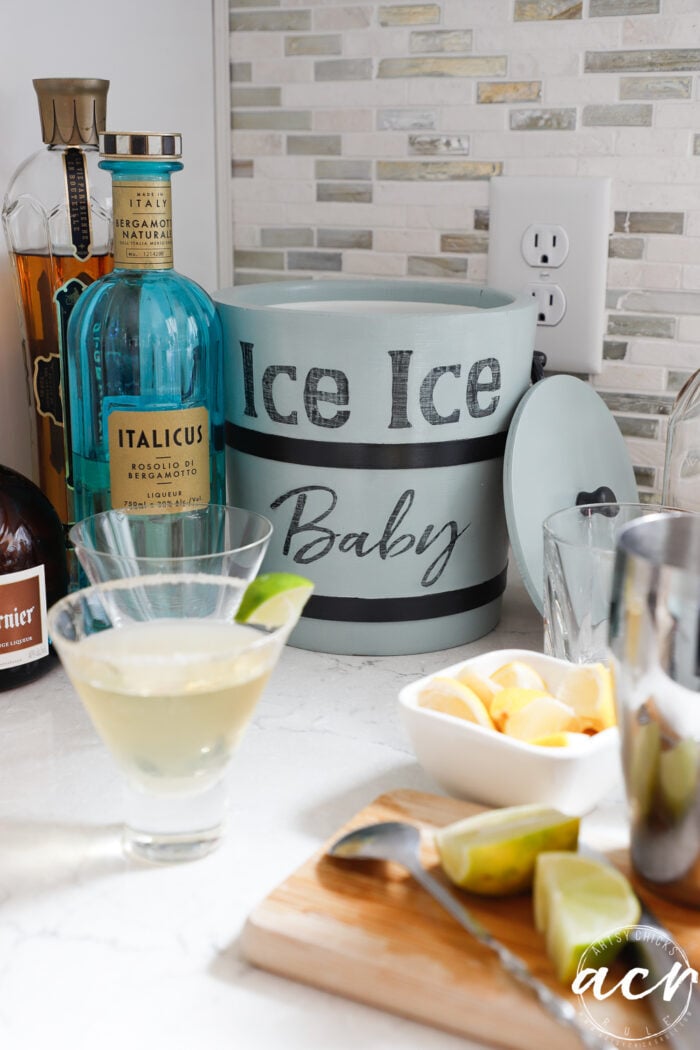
400 842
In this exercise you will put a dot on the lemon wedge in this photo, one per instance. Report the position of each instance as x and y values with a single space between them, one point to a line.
519 675
451 697
562 739
588 688
484 687
511 699
540 718
580 902
266 600
494 853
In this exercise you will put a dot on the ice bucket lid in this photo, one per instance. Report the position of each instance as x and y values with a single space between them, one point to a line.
562 442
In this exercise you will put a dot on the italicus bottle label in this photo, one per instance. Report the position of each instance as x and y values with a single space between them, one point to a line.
23 635
159 459
143 228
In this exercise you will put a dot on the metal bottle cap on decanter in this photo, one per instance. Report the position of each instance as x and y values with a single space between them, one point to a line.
73 110
139 145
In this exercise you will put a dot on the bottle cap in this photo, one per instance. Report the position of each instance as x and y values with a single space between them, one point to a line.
137 145
72 109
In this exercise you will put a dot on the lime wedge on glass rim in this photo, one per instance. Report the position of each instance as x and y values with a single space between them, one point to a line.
267 598
494 853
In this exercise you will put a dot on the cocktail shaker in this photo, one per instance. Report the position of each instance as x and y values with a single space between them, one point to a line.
655 650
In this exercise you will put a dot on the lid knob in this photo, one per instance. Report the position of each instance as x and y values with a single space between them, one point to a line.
604 496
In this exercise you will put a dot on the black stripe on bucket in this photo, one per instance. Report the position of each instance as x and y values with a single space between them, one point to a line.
416 607
360 456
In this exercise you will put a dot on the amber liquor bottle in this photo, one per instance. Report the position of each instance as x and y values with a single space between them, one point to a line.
32 577
57 219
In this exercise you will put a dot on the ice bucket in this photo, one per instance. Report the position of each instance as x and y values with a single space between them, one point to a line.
367 420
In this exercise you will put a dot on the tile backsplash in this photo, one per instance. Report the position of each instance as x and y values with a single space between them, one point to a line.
364 136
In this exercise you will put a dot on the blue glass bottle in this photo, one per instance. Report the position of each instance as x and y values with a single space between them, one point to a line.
145 355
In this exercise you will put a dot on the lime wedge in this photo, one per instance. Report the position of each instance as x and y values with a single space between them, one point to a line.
644 767
494 853
267 598
678 777
578 903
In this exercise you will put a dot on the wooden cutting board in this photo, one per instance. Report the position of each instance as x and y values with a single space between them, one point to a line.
367 931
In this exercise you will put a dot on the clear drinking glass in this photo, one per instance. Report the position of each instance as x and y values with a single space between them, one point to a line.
682 464
215 539
170 682
579 554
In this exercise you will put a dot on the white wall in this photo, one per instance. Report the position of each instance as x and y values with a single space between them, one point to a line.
158 55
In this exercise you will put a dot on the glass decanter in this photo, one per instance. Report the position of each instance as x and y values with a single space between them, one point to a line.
56 215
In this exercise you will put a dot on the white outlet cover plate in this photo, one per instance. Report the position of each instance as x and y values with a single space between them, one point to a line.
581 206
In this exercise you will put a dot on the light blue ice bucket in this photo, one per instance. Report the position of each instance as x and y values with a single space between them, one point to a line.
367 420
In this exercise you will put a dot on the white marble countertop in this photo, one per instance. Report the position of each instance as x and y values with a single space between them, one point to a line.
101 952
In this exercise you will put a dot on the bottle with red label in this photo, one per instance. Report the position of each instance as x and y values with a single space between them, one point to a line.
33 576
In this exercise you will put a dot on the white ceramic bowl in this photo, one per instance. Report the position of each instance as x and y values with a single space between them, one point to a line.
489 767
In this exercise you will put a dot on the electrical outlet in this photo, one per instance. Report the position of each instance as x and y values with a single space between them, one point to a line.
545 246
548 237
551 303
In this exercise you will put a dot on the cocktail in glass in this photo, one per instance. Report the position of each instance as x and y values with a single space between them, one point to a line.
170 681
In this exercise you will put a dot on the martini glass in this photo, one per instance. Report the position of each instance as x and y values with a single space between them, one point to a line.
170 682
214 539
